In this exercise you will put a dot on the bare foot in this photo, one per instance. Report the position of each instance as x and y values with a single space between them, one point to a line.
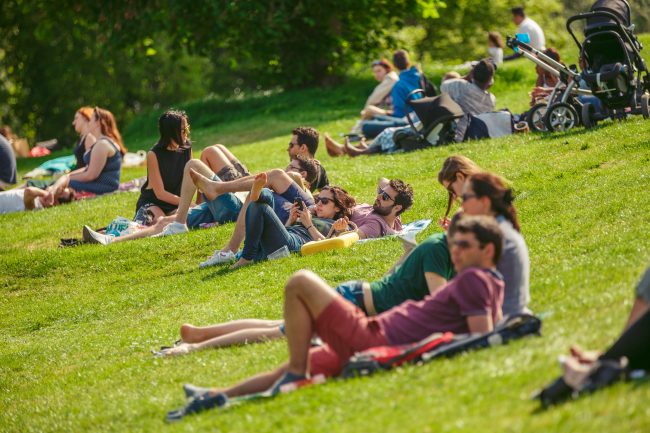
349 149
188 333
181 349
258 183
242 262
333 148
575 372
208 187
584 356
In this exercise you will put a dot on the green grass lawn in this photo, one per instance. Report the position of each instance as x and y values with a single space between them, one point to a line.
79 323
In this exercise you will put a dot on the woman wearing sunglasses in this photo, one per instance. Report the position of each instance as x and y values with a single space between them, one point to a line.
487 194
266 234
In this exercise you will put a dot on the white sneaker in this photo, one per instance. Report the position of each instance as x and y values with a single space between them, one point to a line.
173 228
93 237
218 258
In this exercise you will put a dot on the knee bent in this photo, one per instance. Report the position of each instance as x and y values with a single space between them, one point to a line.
299 281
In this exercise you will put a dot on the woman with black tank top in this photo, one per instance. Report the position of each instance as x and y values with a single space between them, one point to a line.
160 194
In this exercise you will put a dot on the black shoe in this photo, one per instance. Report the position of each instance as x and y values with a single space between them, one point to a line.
198 404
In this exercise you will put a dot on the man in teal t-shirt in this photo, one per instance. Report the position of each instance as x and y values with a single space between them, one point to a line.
426 269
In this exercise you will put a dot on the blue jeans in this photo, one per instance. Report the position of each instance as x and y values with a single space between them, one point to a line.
265 233
373 127
223 209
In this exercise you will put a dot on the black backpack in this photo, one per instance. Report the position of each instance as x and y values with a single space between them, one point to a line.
429 88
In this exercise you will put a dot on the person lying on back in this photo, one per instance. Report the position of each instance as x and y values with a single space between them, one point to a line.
470 303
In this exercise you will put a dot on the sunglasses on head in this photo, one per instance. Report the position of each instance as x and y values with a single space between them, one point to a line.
323 200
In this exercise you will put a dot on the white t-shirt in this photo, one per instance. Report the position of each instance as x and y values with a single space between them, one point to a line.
537 39
12 201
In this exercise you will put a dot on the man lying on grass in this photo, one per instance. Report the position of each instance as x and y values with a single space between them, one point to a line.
369 221
469 303
419 272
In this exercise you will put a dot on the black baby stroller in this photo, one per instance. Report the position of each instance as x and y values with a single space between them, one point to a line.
611 62
562 109
437 122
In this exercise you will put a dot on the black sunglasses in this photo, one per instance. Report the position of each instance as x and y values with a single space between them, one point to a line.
323 200
384 195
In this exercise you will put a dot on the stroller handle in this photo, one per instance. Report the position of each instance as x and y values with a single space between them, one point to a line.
593 14
539 58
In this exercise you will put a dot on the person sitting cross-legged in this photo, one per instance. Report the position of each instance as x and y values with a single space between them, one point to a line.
470 303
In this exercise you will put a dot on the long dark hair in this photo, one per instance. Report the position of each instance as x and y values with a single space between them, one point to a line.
342 200
171 125
501 197
449 172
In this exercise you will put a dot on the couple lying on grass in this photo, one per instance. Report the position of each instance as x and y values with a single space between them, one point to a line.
470 303
219 175
419 273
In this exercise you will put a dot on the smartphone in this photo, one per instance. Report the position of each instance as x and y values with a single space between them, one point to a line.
299 202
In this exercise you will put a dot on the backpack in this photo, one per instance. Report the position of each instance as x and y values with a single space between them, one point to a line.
429 88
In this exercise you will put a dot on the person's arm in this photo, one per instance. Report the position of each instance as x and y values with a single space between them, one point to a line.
31 194
156 182
98 157
380 92
305 219
434 282
293 216
479 324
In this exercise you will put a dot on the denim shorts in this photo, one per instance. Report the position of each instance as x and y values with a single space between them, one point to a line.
352 291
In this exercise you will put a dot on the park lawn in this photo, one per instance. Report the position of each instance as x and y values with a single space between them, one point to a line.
79 323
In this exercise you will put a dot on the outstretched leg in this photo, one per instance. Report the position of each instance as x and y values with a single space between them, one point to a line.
333 148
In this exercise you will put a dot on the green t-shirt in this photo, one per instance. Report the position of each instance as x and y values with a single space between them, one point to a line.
408 281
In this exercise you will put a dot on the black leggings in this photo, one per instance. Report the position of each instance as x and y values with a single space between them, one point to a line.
633 344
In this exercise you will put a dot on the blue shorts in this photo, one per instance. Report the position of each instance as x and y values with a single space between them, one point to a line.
223 209
352 291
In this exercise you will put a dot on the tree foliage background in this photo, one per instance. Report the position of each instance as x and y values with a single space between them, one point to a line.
130 55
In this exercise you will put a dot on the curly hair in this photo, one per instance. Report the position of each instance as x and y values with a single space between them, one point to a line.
342 200
404 195
307 136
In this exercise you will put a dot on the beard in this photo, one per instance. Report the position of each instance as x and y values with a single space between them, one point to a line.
381 210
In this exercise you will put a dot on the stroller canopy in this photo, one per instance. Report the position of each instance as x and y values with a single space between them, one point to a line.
435 109
619 8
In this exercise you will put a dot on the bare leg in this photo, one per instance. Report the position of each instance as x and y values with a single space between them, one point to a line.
215 158
196 334
239 233
256 190
147 231
356 151
258 383
278 180
638 309
305 297
333 148
243 336
188 189
157 213
226 152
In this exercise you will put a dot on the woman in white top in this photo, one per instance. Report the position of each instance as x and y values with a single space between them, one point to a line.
495 47
380 99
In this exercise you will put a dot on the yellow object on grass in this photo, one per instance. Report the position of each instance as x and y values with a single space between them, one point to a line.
343 241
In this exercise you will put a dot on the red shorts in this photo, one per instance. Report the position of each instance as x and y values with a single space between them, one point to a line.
346 330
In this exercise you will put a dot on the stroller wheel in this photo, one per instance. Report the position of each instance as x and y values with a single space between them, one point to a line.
645 105
536 117
588 112
560 117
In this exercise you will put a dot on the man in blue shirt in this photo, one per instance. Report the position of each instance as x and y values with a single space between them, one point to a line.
409 80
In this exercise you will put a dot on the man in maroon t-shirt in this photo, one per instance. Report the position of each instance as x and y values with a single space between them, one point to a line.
469 303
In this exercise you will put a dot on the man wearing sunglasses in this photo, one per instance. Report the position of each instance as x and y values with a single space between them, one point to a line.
304 142
470 303
383 217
